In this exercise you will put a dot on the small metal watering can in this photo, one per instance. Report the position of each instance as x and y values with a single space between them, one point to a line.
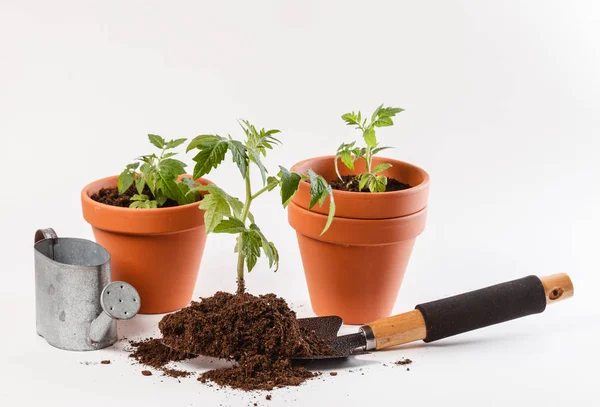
76 304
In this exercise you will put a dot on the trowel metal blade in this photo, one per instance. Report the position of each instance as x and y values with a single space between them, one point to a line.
323 327
343 346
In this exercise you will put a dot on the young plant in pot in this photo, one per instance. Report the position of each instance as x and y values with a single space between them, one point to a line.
148 220
260 333
355 270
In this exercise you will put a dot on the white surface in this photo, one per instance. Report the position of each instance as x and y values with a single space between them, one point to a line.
501 100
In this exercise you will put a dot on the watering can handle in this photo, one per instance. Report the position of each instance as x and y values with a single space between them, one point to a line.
42 234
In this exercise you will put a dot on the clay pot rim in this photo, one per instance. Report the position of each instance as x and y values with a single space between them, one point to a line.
413 189
85 196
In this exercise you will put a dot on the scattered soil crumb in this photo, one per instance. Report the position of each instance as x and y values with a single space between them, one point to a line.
408 369
151 352
350 183
268 397
105 362
146 373
404 362
333 374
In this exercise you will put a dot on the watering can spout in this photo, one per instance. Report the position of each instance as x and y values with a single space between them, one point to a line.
119 300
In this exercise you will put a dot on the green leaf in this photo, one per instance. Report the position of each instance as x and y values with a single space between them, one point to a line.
219 205
317 188
377 184
238 152
231 225
331 213
381 167
347 159
139 197
140 183
167 185
203 141
383 122
369 136
289 184
125 180
255 158
186 197
376 113
389 111
210 156
351 119
268 248
250 247
172 166
378 149
364 178
160 198
175 143
158 141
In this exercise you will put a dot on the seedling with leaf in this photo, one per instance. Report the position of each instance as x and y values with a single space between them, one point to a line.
159 173
227 214
349 152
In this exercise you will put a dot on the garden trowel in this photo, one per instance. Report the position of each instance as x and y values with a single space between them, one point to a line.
443 318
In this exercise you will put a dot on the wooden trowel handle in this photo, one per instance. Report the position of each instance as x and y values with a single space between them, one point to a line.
465 312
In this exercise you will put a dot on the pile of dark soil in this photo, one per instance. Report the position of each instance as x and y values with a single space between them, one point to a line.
260 334
151 352
350 183
111 196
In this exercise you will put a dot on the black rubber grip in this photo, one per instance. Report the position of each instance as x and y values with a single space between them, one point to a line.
488 306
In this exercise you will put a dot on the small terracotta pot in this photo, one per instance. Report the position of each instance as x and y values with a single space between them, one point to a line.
356 268
158 251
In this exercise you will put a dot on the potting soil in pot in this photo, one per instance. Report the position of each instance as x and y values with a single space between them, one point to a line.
260 334
350 183
111 196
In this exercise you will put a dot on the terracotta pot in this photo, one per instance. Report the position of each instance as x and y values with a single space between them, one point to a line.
356 268
158 251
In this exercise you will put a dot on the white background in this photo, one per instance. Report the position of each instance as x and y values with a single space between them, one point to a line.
502 102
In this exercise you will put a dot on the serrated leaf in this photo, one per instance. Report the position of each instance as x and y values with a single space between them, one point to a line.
175 143
381 167
186 197
169 188
140 183
289 184
160 198
364 178
347 159
157 140
351 119
383 122
330 215
250 247
238 152
139 197
216 208
125 180
376 112
172 166
231 225
268 248
255 158
377 184
389 111
317 188
210 156
369 136
202 141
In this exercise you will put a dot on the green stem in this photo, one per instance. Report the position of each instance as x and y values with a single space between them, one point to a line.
241 286
265 189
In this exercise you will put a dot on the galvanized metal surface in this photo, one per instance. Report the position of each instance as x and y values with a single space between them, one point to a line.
70 275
